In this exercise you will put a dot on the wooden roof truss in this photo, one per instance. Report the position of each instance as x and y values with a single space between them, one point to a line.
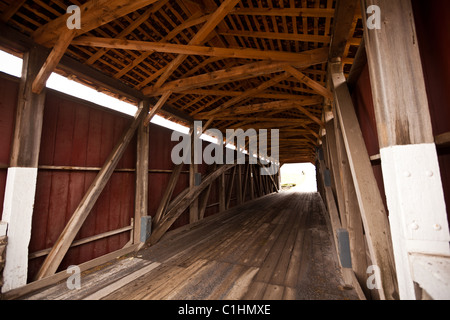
229 63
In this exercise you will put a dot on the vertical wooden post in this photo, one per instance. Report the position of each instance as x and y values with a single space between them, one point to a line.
142 158
246 181
193 171
412 180
22 174
222 191
230 188
252 181
371 206
239 185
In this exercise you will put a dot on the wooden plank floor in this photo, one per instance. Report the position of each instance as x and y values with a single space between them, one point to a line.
276 247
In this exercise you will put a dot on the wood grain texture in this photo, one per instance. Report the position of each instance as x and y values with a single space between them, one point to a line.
276 247
372 209
393 56
61 246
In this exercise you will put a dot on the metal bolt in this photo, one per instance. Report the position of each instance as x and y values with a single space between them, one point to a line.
407 174
414 226
437 227
429 173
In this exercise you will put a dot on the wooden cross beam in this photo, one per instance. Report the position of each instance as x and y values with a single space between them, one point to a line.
251 70
57 34
199 38
285 12
186 24
343 19
130 28
278 36
317 87
67 236
157 107
226 93
53 59
93 13
278 105
263 86
180 206
243 53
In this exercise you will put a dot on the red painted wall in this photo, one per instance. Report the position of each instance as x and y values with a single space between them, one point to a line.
433 33
362 100
81 134
76 134
9 89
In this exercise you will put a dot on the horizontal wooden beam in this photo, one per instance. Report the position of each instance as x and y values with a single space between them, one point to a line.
249 93
285 12
80 242
244 53
278 36
269 106
282 120
229 93
129 29
200 37
251 70
246 71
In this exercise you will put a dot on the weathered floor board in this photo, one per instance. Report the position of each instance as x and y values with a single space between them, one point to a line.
276 247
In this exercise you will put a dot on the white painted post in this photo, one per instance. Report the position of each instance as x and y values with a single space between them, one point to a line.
22 175
416 202
17 213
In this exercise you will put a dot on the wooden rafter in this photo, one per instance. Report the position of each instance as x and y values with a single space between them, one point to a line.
251 70
317 87
11 10
343 20
278 105
157 107
278 36
310 115
263 95
287 12
199 38
130 28
250 93
95 14
53 59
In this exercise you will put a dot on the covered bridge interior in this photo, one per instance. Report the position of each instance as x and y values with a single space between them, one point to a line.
357 88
